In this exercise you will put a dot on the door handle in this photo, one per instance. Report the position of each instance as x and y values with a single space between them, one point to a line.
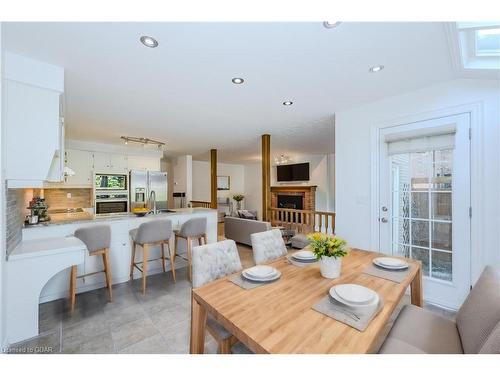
383 220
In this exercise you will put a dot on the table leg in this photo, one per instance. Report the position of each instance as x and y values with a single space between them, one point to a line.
417 297
198 326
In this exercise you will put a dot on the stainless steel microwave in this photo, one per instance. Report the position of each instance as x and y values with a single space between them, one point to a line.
107 181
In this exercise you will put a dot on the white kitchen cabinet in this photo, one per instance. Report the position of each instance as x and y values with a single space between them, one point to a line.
119 163
110 163
143 163
101 162
81 163
33 129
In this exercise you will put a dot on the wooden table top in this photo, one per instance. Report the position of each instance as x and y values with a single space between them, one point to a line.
278 317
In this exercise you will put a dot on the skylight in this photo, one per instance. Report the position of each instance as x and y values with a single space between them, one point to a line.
488 42
479 44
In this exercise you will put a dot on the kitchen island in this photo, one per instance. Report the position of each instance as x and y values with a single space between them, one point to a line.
120 249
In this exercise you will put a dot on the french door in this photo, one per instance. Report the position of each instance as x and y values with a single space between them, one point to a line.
424 202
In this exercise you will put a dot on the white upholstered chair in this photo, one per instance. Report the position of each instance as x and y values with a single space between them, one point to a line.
476 330
268 246
211 262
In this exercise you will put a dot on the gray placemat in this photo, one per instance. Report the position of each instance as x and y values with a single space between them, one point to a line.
248 284
299 264
396 276
335 310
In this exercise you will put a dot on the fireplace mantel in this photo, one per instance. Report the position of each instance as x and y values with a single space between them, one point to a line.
304 188
307 192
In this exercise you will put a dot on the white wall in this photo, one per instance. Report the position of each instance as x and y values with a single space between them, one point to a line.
320 168
2 207
253 187
201 180
183 176
353 157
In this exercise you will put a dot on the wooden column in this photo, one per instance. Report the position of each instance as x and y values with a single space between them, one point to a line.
266 175
213 178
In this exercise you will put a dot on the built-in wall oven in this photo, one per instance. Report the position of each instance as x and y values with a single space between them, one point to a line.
107 203
111 193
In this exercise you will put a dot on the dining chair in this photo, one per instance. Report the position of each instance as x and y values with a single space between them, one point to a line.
476 330
212 262
267 246
192 229
97 238
147 235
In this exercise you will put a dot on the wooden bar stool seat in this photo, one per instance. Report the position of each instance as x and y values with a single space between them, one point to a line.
97 239
192 229
147 235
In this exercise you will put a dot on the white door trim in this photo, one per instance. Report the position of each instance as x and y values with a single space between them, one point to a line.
477 157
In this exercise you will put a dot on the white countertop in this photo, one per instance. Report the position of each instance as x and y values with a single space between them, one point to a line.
71 218
44 247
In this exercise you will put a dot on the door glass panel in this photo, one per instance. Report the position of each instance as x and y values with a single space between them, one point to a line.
422 255
420 233
420 167
441 205
421 209
441 170
441 236
420 205
441 265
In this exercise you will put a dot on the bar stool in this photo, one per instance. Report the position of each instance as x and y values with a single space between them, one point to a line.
97 239
151 233
193 229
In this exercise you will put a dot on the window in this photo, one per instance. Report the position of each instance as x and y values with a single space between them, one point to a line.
479 44
488 42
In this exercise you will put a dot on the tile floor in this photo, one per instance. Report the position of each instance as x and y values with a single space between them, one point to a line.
157 322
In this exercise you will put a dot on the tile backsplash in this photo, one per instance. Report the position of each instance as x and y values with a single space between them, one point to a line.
58 198
15 213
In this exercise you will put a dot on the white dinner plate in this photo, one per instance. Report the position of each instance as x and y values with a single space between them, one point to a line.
261 271
304 255
273 277
354 294
374 302
390 263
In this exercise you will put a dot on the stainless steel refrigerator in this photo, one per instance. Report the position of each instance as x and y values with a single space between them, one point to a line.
142 183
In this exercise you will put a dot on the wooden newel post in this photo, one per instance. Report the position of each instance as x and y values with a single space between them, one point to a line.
213 178
266 175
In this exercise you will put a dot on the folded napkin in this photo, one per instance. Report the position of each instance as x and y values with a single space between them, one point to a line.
393 275
299 263
335 310
239 280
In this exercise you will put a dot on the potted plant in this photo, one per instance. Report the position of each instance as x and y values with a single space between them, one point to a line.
329 250
238 198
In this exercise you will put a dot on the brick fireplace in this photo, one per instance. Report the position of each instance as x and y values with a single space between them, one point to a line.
286 197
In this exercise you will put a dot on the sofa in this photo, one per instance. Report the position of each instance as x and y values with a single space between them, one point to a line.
239 229
476 330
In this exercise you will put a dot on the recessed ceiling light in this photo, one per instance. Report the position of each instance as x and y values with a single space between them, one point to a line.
376 68
238 81
331 24
149 41
287 103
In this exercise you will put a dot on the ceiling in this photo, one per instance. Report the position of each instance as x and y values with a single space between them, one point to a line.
181 92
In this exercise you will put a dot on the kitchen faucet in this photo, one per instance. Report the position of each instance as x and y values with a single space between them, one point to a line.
152 201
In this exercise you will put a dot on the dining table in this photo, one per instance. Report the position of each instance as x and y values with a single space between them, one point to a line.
278 317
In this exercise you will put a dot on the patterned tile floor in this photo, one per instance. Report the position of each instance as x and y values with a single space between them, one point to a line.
157 322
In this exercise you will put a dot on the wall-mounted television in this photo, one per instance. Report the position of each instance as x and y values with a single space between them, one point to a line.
293 172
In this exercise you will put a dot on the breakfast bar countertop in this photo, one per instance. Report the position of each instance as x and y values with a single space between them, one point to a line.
85 217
